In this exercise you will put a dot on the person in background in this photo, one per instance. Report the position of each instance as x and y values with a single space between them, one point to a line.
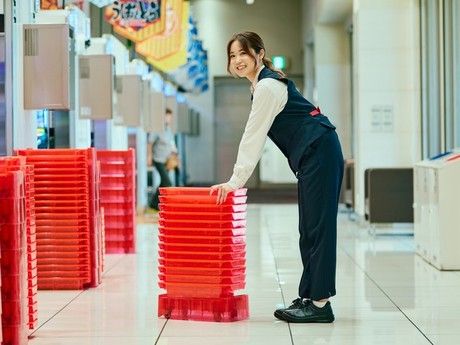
309 141
164 153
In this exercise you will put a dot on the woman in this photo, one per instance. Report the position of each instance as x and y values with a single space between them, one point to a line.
310 143
163 148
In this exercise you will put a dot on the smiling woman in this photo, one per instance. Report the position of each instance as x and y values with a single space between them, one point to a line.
310 143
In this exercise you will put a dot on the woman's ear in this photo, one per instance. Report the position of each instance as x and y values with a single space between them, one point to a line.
262 53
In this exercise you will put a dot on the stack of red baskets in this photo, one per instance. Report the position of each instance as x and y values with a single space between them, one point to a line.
19 164
118 191
14 258
66 217
202 249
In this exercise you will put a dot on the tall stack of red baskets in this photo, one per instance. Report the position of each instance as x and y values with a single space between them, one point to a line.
13 258
66 209
118 191
19 164
202 249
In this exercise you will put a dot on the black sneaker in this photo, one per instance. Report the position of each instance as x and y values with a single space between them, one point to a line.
294 305
307 312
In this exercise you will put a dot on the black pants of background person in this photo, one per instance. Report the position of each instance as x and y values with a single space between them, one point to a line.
319 181
165 181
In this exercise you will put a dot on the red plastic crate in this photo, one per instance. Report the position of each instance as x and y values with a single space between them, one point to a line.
192 191
63 222
202 271
11 287
201 255
58 273
202 216
62 284
201 232
194 224
205 248
15 334
66 201
201 199
118 235
221 309
203 208
62 232
12 261
219 264
11 236
203 239
12 210
84 260
11 185
12 312
200 290
201 279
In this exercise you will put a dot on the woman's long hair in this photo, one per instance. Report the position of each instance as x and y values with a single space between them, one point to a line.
250 40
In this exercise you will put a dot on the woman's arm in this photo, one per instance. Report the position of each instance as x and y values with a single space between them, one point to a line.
270 97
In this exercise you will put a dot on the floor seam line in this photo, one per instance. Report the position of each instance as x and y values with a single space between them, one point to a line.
161 332
383 291
52 317
278 278
73 299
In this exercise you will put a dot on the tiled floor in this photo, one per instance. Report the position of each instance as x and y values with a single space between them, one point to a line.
386 295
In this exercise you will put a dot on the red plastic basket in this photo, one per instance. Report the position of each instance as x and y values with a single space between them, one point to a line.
200 199
202 208
221 309
202 216
203 191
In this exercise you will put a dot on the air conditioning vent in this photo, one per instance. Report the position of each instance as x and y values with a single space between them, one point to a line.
84 68
31 42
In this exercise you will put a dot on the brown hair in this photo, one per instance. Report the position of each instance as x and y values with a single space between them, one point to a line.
250 40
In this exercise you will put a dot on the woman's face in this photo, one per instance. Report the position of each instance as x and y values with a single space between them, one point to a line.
241 63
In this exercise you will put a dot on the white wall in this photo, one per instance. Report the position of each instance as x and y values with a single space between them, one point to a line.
277 22
386 73
332 70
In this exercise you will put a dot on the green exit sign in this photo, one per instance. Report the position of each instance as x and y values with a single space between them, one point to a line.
279 61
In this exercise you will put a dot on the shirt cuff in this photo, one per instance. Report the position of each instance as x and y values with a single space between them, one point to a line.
235 183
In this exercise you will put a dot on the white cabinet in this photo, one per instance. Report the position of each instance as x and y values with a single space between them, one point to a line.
437 211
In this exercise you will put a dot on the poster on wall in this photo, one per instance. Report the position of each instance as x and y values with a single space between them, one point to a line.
136 20
59 4
168 50
52 4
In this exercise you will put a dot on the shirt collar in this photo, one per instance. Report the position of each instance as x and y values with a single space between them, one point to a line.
256 78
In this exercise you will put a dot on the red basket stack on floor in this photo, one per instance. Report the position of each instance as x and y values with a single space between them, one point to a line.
19 164
13 243
118 191
202 249
65 182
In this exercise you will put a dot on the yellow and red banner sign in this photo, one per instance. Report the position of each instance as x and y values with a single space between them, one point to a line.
168 50
137 20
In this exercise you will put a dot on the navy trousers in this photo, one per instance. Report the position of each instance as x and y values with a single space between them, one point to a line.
319 180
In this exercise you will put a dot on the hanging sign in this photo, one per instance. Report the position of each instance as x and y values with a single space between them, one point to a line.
136 20
168 50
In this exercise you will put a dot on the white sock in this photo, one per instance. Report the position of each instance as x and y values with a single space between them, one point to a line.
319 304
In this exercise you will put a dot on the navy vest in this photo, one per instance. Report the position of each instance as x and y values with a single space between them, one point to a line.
294 129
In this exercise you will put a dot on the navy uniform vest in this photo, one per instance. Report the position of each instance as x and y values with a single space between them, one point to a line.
294 129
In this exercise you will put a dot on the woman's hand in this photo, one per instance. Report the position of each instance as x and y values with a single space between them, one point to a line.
222 191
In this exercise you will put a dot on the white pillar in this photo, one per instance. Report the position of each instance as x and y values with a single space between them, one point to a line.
386 86
332 71
24 121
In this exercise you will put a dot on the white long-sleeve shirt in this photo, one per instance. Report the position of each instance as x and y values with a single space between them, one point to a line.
269 98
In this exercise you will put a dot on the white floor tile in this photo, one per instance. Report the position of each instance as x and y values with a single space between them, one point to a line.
380 284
